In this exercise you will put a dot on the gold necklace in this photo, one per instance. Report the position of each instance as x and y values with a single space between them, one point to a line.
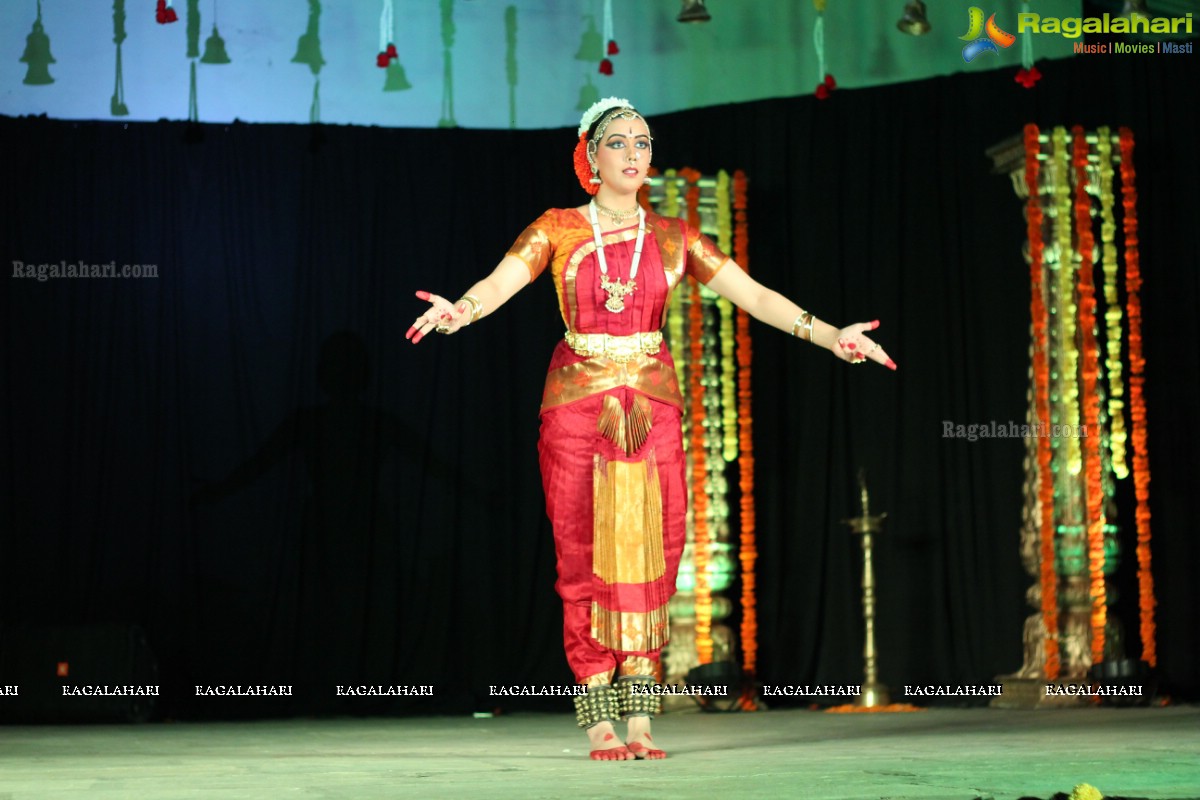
617 216
615 289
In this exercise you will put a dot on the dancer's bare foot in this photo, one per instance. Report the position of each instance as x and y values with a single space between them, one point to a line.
638 740
605 744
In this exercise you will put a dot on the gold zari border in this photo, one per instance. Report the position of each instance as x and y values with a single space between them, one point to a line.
627 543
630 631
627 548
581 380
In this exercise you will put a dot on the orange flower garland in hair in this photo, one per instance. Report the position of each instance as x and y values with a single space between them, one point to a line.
748 554
1091 400
1041 382
700 535
1137 402
643 194
583 168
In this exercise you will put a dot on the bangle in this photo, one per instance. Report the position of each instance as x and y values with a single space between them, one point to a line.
798 324
476 306
804 322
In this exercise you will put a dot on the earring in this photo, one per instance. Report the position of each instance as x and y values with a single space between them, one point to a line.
595 174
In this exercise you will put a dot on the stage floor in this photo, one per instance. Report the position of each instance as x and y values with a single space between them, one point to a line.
942 753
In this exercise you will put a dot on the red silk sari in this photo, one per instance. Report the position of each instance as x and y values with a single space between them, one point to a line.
611 446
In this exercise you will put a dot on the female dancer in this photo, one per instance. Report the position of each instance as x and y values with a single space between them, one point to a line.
610 447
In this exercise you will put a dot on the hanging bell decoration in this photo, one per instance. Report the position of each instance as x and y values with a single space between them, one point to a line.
589 95
396 80
914 21
117 104
591 45
308 48
1131 7
308 51
37 54
214 49
693 11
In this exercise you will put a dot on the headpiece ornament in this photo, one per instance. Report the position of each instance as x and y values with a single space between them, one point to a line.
599 107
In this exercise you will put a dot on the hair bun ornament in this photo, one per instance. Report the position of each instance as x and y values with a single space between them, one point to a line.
597 108
583 168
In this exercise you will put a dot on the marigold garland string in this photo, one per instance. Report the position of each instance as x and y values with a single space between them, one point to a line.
729 420
748 552
1068 371
1091 400
1112 308
675 333
1041 377
715 482
1137 403
700 533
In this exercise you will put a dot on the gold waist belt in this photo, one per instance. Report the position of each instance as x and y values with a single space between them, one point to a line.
617 348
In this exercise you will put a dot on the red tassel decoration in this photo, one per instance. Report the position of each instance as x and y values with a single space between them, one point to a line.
825 87
164 15
382 60
391 52
606 67
612 47
1028 77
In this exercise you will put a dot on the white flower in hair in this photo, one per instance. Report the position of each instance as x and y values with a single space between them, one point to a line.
599 107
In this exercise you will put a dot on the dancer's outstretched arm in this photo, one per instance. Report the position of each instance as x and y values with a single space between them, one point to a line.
767 305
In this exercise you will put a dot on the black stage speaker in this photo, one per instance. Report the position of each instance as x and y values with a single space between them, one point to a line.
81 673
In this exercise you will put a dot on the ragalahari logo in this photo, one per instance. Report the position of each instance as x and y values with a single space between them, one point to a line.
986 43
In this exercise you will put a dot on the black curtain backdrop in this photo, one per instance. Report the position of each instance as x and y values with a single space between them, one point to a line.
244 456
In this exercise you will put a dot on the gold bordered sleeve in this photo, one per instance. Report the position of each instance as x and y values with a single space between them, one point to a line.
704 259
534 245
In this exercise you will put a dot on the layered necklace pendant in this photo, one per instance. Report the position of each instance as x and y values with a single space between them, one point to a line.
616 293
616 289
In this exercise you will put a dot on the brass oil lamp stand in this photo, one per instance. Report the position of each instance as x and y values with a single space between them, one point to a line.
874 693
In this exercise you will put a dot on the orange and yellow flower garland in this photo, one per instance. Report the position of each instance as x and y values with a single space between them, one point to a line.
748 553
670 208
1091 400
1041 379
729 420
1137 402
1068 352
1112 308
700 533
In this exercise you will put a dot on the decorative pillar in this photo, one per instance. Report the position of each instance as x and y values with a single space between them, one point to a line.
710 342
1075 420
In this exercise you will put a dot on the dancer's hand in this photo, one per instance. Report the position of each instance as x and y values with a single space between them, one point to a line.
854 346
441 316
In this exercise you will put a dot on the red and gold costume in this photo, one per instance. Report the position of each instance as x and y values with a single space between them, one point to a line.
611 447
